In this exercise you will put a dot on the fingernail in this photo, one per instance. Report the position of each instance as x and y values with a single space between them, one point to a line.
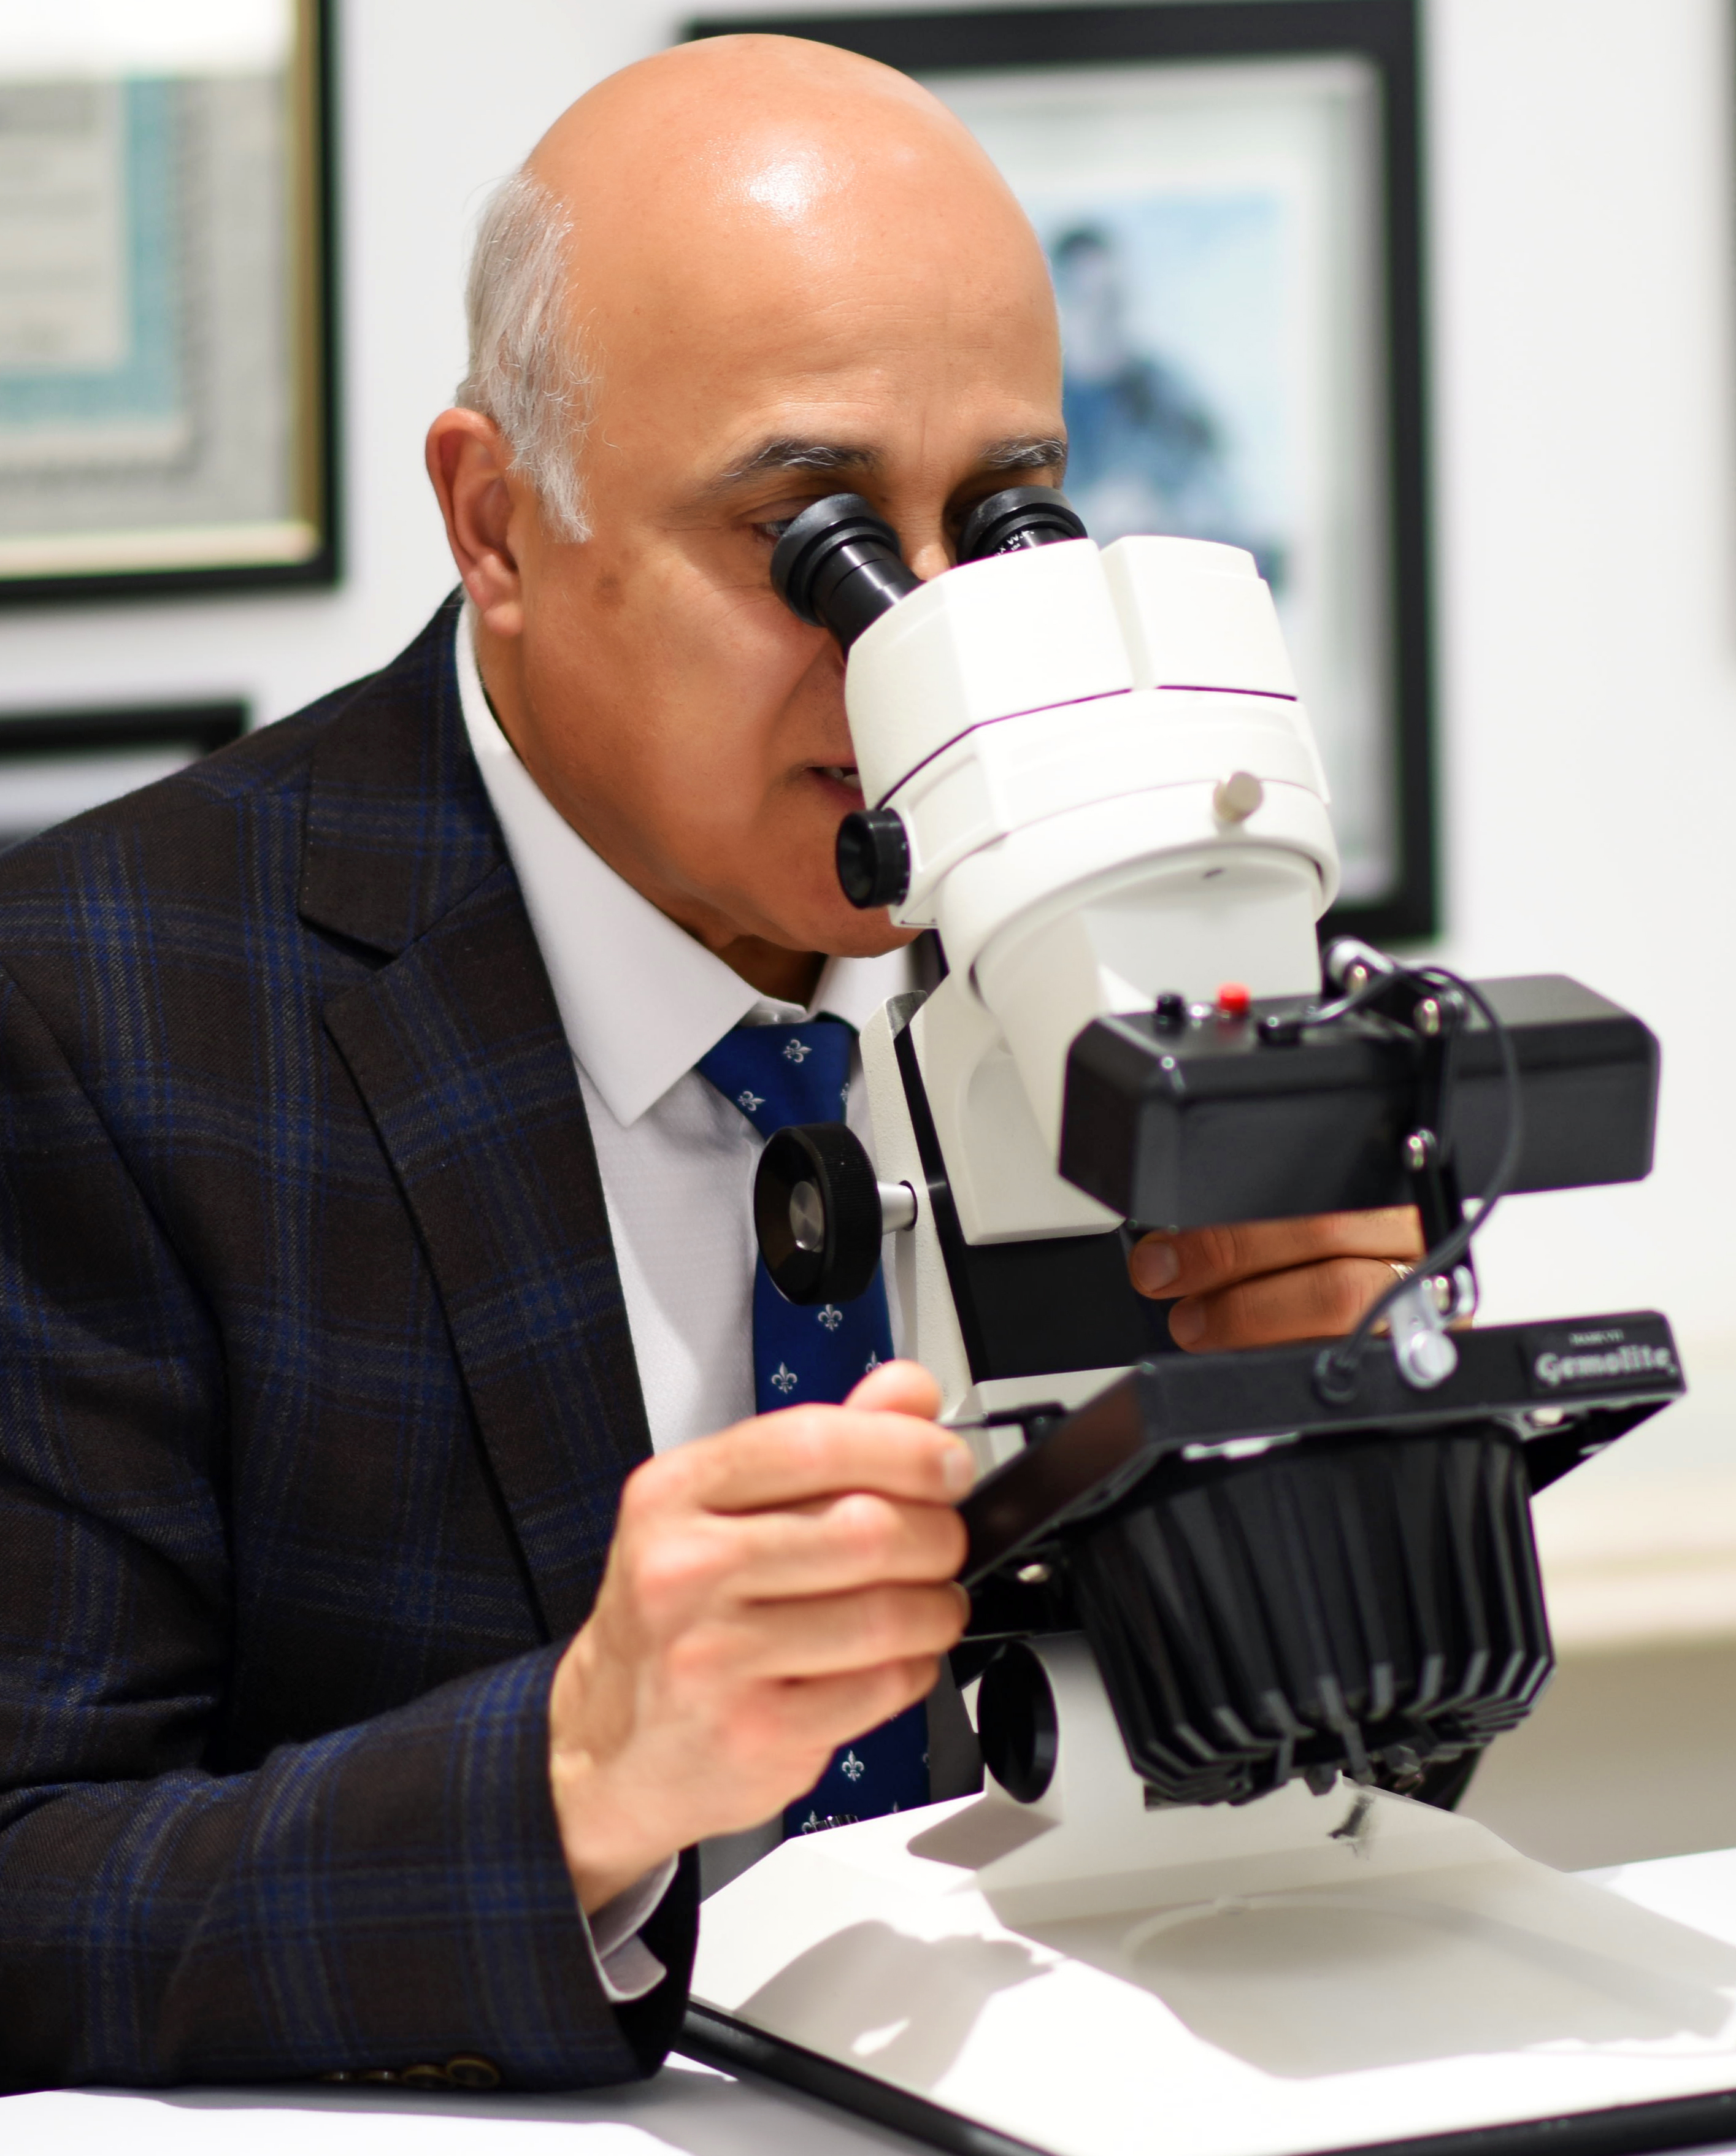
959 1470
1154 1264
1187 1324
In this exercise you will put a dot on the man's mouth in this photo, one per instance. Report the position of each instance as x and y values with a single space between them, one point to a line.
840 774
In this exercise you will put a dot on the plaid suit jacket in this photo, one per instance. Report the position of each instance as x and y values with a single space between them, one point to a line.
316 1395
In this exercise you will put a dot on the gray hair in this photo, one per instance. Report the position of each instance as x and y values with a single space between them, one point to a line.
528 371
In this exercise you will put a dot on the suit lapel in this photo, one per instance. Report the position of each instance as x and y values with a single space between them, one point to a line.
456 1049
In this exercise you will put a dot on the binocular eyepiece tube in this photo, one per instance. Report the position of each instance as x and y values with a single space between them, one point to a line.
1018 517
839 565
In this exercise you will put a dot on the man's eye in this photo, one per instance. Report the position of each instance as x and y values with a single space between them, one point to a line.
958 512
776 516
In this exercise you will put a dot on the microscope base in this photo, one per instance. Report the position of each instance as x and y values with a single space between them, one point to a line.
1301 1975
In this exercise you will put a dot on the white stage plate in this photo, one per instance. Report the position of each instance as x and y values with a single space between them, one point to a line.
1243 1983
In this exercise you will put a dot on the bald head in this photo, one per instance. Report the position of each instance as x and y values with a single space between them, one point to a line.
711 192
740 276
738 159
725 111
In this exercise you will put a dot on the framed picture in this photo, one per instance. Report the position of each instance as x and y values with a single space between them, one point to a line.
1227 191
57 764
166 298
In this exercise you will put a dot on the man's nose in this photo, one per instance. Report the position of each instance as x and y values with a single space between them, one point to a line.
927 554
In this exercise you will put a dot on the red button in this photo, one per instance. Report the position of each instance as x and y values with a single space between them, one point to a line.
1233 999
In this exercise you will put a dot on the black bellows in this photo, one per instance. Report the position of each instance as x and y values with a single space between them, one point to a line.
1370 1606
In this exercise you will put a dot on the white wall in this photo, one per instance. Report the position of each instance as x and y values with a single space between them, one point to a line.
1583 378
1583 384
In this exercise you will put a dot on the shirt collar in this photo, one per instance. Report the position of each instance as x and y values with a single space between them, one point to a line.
641 1001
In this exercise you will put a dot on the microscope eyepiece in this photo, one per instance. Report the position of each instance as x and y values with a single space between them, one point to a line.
1016 517
838 566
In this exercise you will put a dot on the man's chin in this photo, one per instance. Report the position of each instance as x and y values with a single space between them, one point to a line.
806 903
844 932
871 942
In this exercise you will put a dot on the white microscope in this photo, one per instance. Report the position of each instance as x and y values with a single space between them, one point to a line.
1303 1575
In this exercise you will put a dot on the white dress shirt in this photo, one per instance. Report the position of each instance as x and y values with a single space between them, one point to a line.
641 1002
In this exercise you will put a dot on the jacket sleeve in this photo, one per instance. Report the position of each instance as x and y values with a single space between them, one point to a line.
386 1896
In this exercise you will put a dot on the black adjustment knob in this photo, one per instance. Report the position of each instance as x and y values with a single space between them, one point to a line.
1017 517
817 1213
873 856
838 565
1171 1009
1016 1723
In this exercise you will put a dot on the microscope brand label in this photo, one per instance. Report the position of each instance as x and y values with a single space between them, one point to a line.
1601 1357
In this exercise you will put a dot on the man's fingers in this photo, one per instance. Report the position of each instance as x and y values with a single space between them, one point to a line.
1201 1261
1309 1303
898 1388
829 1635
808 1452
844 1543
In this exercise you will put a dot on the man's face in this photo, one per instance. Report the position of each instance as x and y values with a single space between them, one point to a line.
683 719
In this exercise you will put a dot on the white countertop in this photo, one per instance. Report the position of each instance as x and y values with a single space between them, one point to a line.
688 2108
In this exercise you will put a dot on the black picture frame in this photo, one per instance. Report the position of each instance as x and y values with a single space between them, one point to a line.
314 334
27 737
1384 34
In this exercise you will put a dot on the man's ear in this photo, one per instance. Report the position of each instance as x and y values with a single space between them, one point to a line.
469 464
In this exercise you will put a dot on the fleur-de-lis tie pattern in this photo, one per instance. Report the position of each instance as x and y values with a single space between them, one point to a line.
777 1074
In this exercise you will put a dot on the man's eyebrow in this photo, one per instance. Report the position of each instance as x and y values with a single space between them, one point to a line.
785 453
1027 453
789 453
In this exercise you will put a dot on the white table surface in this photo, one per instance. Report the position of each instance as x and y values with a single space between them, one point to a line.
688 2108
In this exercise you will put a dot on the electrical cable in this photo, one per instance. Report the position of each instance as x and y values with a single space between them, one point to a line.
1338 1366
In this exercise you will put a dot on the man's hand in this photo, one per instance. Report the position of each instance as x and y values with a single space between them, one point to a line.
1265 1281
771 1593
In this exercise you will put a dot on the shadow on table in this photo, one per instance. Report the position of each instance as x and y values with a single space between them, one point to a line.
896 2007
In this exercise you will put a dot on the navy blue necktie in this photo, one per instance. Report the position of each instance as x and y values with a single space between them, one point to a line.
777 1074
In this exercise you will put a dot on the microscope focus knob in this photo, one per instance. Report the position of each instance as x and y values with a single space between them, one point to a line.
817 1213
873 854
1017 1724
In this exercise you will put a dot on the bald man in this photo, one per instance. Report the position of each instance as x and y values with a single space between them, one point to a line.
400 1582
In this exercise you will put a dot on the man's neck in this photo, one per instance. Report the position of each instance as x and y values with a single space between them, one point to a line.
791 976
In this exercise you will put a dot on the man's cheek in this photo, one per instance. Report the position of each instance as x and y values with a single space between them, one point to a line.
751 639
